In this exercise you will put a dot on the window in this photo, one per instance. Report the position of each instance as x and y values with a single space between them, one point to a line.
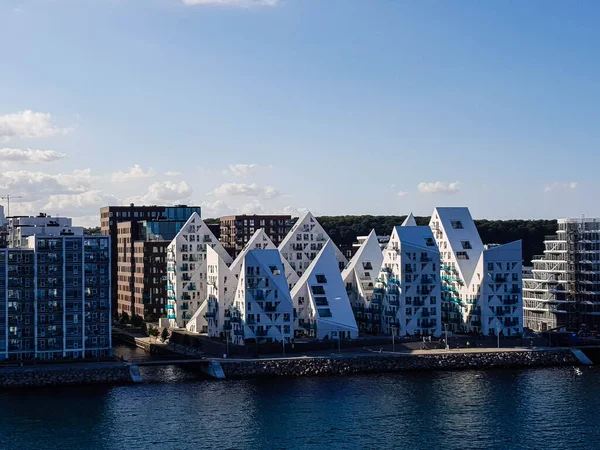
367 266
462 255
324 312
490 267
321 301
317 290
466 245
321 279
457 224
429 242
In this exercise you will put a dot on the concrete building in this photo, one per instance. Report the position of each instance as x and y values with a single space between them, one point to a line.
408 288
236 231
563 289
304 241
55 292
481 285
21 227
260 241
111 216
360 277
320 299
187 270
3 222
142 265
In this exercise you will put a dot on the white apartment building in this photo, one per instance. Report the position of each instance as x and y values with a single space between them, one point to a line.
187 270
304 241
320 299
262 307
408 287
260 241
360 278
563 288
21 227
481 285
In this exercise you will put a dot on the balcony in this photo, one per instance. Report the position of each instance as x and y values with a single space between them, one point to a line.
500 279
169 307
394 302
261 332
425 259
171 316
210 314
515 290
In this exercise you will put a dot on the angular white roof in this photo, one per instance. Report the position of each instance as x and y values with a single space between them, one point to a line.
200 229
261 241
369 251
416 236
458 227
308 224
409 221
270 260
342 316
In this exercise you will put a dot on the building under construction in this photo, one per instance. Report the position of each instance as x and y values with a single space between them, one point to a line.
564 288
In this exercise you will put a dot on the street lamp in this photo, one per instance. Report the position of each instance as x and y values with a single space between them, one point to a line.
498 327
393 342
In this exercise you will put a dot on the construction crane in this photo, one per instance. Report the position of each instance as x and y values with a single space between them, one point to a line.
8 197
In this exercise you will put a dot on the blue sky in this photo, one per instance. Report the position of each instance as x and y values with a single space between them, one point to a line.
336 106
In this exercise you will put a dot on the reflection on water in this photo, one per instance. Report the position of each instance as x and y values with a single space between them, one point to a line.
525 409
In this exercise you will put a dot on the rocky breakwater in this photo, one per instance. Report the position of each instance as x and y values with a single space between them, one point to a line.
64 375
389 363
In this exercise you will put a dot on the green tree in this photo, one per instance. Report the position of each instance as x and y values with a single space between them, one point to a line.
153 332
124 318
136 320
165 334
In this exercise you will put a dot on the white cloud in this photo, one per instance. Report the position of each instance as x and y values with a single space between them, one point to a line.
439 188
135 173
238 3
91 200
243 170
560 186
28 124
164 192
248 190
172 173
217 208
35 185
29 155
402 194
252 207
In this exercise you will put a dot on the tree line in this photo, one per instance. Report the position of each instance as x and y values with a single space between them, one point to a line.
344 230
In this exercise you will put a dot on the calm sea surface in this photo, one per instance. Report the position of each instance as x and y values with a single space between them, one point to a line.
500 409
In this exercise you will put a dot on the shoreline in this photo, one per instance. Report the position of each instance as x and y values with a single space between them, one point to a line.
123 373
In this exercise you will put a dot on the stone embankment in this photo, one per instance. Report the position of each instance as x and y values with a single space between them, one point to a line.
390 363
65 375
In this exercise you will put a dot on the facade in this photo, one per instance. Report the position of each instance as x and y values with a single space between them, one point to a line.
321 302
260 241
360 277
55 298
111 216
481 285
21 227
187 270
304 241
408 288
563 289
236 231
262 307
142 265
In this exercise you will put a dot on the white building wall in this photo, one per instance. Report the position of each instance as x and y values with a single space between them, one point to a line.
408 287
304 241
321 301
186 269
360 279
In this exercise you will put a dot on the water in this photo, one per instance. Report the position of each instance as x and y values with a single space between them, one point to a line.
524 409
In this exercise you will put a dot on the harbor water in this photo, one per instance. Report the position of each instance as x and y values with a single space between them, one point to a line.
499 409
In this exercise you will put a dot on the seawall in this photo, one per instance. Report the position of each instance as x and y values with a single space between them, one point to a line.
391 363
65 375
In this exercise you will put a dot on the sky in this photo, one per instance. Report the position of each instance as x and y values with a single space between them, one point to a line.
282 106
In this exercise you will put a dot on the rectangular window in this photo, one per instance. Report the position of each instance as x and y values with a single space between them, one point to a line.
321 279
466 245
457 224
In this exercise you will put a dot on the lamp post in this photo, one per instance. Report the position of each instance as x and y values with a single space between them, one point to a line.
498 333
446 329
393 341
